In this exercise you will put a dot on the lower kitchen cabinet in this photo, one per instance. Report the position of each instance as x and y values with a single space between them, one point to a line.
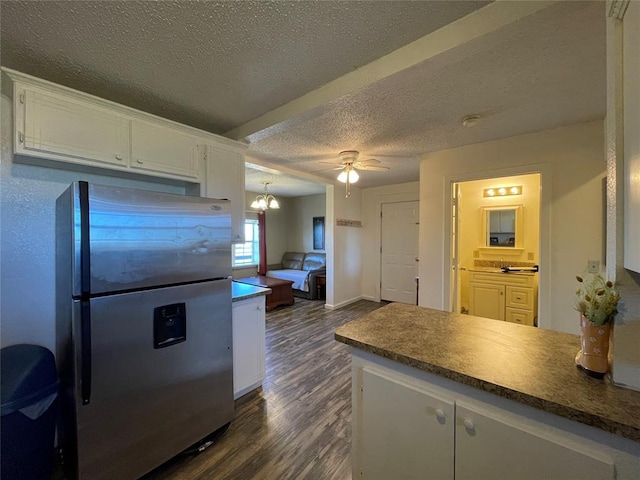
248 345
414 427
491 445
401 430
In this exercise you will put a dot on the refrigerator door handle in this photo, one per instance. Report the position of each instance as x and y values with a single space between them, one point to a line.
85 351
85 251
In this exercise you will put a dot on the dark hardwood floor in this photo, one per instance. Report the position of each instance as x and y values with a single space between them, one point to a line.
298 426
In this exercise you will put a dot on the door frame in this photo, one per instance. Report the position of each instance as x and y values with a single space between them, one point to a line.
544 274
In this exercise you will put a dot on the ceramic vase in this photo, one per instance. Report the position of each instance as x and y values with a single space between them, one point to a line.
593 356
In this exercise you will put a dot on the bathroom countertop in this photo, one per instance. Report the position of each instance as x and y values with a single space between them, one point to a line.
497 270
242 291
529 365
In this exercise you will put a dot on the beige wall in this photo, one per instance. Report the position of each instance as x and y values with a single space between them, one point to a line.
301 221
571 163
372 200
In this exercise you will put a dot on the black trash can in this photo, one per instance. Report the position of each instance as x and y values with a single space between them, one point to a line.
29 389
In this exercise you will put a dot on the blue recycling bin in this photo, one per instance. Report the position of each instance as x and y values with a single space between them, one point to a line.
29 390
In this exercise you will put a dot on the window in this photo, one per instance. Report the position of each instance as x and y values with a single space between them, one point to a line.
248 253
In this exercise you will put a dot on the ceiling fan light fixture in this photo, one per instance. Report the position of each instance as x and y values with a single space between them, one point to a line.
348 173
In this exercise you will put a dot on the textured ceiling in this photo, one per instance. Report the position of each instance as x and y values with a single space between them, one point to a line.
249 67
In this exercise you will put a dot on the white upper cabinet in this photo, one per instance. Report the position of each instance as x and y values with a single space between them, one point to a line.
225 179
48 125
52 122
157 148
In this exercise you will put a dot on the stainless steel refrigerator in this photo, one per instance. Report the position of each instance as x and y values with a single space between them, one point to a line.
143 326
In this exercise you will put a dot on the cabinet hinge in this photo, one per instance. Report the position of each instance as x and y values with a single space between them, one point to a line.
21 98
380 248
20 137
380 213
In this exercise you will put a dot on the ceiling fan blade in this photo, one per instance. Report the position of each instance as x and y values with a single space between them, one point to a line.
331 163
368 161
372 168
327 169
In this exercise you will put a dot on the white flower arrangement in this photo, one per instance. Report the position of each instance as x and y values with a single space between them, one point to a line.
597 298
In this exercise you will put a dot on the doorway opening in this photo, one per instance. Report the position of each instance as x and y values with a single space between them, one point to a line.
496 226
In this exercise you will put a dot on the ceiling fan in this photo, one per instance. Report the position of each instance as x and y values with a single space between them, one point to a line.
349 164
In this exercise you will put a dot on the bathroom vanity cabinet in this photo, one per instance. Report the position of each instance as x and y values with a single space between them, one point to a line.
511 297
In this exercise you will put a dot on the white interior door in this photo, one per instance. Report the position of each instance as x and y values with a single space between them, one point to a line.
399 255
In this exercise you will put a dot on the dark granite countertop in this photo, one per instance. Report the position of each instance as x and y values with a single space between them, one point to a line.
529 365
242 291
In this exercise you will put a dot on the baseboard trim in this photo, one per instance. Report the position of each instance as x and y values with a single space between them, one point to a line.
342 304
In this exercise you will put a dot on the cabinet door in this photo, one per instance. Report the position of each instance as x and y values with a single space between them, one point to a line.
60 128
402 431
225 179
160 149
486 300
516 315
492 447
248 345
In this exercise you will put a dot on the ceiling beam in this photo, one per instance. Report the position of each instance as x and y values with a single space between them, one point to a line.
481 22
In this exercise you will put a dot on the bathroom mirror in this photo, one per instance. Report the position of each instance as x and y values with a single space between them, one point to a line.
502 226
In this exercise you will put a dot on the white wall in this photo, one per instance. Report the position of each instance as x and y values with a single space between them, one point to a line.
572 167
372 200
27 240
344 254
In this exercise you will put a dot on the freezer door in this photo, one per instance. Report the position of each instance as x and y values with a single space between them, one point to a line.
140 239
161 377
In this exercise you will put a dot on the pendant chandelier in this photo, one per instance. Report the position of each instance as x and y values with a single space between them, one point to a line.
265 201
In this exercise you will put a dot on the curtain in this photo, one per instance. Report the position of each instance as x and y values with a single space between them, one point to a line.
262 229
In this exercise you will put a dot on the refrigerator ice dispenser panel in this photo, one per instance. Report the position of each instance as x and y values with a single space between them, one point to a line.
169 325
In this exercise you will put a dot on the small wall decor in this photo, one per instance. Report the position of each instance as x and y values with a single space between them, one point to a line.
318 233
342 222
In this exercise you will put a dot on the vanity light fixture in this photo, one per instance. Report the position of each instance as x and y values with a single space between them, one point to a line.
265 200
502 191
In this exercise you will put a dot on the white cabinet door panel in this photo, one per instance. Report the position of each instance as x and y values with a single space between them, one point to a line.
160 149
248 345
489 447
405 432
225 179
51 126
